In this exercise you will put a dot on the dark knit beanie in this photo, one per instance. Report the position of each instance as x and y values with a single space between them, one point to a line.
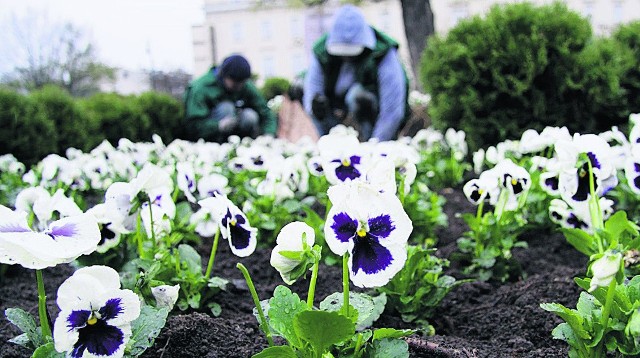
236 67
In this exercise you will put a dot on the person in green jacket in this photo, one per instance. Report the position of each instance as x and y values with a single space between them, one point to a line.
225 102
355 72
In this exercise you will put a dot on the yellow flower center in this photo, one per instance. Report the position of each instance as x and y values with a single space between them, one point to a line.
361 232
92 320
346 162
514 182
480 191
233 222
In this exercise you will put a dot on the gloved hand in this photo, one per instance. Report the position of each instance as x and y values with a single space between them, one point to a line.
320 106
227 124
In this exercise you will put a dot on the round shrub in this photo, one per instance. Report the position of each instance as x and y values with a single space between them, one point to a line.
165 114
274 86
520 67
628 36
71 122
26 132
116 116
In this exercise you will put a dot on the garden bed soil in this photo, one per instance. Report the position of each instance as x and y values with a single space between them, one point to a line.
477 319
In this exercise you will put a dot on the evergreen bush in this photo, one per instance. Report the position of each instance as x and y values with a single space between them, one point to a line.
274 86
26 132
628 36
116 116
521 67
73 125
165 115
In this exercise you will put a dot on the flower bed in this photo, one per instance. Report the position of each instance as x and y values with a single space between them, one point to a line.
477 319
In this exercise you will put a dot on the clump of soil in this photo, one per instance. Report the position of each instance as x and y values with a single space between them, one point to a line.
477 319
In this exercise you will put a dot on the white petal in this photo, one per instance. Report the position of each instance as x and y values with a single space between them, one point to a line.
129 304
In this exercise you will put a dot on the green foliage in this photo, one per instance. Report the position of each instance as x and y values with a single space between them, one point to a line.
72 124
116 117
47 351
274 86
488 243
26 132
628 36
32 336
145 329
605 321
283 307
523 67
424 208
165 115
369 308
321 329
417 290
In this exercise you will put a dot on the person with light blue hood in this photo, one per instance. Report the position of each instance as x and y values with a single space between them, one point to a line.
355 72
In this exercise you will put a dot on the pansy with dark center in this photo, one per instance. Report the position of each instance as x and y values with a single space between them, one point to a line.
582 192
232 223
347 168
240 236
95 314
94 333
372 227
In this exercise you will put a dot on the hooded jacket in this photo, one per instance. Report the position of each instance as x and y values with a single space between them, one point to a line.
377 69
205 93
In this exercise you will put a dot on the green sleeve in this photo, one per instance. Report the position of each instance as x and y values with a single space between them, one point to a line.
268 120
198 121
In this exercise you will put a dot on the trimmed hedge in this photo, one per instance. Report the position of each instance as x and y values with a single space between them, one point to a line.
26 131
524 67
628 36
49 121
274 86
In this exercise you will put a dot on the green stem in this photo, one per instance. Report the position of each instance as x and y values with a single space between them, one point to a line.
263 321
501 204
42 306
153 232
594 209
480 209
212 256
139 237
356 351
345 284
312 283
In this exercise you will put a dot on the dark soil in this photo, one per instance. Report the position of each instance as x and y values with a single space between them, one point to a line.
476 320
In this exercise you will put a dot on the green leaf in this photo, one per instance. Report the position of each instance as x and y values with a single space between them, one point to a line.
322 329
218 283
190 256
369 308
215 308
388 347
146 328
47 351
564 332
27 324
581 240
283 307
572 317
382 333
277 352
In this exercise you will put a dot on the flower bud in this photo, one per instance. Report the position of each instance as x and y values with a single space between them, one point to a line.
292 243
604 270
165 295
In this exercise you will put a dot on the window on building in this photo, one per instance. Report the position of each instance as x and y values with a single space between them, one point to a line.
587 9
384 20
459 11
297 28
267 29
297 62
237 32
268 66
617 12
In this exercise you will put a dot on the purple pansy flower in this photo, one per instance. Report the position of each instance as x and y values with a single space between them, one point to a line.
371 226
95 314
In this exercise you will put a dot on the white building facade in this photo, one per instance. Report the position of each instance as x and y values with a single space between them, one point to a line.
277 38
